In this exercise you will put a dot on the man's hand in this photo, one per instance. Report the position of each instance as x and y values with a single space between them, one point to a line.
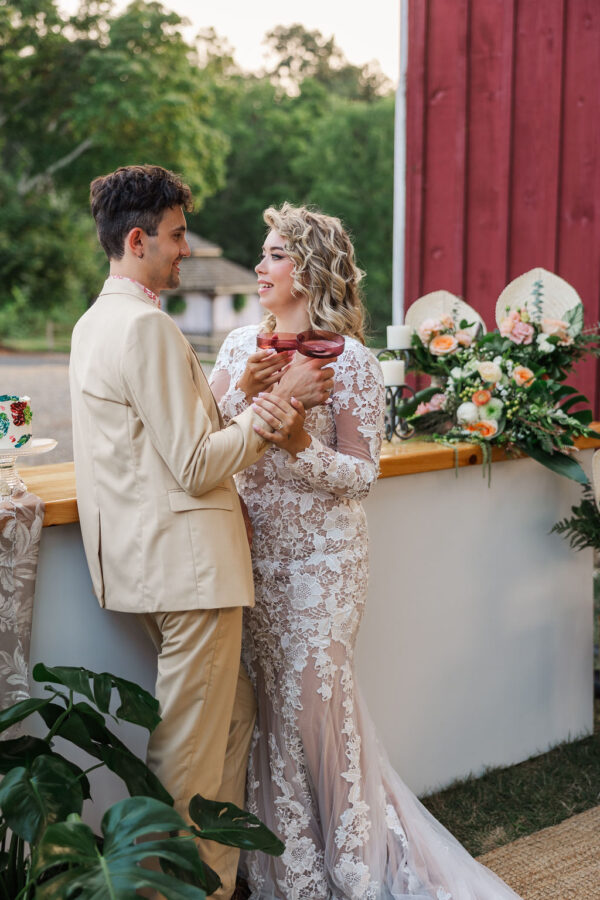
308 380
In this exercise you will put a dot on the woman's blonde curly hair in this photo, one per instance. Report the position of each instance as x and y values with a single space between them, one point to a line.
324 269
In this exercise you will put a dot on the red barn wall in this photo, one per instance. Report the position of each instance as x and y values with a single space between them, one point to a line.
503 145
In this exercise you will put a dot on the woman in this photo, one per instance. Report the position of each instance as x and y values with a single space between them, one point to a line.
316 775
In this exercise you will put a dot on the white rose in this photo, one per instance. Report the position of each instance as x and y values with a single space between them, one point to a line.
467 413
489 371
544 344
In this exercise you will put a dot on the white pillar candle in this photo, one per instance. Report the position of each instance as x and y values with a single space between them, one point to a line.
393 372
398 337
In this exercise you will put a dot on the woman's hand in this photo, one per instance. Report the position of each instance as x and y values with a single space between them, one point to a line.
287 420
263 369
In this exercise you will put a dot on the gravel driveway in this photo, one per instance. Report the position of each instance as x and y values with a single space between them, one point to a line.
45 378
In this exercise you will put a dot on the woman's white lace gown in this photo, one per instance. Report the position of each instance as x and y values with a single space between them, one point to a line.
316 776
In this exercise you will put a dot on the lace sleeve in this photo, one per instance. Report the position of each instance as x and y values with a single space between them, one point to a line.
350 469
224 377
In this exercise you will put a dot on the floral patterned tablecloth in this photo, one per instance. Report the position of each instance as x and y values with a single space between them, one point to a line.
21 519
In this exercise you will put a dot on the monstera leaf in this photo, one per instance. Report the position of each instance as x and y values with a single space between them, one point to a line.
227 824
137 705
33 798
114 871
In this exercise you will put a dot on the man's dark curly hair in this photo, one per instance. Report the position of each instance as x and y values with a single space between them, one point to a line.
134 197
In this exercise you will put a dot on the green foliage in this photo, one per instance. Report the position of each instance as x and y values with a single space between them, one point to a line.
300 54
80 96
52 854
176 304
582 527
350 163
112 868
229 825
83 94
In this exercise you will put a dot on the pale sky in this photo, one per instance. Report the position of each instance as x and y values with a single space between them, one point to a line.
367 32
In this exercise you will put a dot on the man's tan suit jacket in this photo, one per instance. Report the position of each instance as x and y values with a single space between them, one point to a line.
160 516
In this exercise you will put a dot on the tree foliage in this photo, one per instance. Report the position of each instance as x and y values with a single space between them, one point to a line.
83 94
80 96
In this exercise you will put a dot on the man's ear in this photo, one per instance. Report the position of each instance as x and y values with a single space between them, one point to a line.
134 242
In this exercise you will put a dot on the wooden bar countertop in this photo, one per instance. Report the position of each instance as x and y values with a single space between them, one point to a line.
55 484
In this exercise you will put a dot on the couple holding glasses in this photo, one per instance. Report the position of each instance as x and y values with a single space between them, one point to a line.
165 532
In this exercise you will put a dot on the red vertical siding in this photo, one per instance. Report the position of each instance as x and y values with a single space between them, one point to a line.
578 231
536 134
503 125
446 107
489 132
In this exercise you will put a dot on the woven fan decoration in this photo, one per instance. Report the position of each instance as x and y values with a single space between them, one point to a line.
544 295
442 303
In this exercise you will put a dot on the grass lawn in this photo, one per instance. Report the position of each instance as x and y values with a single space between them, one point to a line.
505 804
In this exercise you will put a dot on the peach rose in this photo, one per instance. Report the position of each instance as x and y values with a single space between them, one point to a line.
447 322
559 328
464 338
487 428
523 376
443 344
480 398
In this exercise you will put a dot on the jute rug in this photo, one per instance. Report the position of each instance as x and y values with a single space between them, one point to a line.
558 863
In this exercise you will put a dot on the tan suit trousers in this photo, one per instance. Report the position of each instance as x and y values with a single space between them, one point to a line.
207 706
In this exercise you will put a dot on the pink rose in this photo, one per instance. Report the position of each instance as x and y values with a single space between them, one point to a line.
522 333
436 402
464 338
507 324
428 328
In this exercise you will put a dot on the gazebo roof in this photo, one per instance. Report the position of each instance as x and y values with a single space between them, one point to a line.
207 271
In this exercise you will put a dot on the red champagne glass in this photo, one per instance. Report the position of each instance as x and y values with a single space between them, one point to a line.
276 340
320 344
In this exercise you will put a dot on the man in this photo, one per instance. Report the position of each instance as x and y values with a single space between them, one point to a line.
161 521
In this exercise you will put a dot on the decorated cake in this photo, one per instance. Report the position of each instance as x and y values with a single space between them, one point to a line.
15 422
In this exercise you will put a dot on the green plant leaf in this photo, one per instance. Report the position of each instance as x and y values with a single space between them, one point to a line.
209 882
102 691
22 751
115 872
574 317
138 778
228 824
19 711
30 800
585 416
86 728
571 401
558 462
407 407
136 704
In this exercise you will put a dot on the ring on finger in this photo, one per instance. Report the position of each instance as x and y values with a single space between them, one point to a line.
280 426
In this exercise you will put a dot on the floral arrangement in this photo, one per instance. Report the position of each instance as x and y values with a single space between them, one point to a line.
506 388
438 343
